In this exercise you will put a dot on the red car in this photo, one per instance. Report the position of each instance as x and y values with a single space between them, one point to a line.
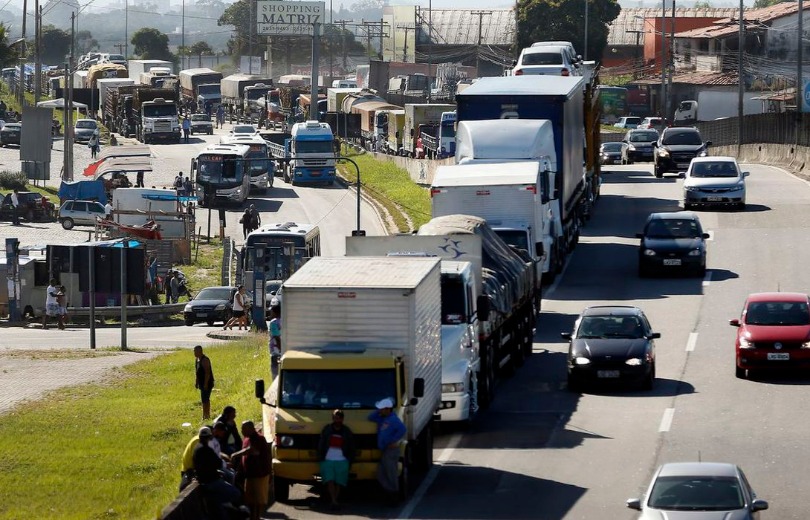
773 332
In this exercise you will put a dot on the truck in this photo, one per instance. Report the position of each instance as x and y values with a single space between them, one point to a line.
138 67
558 99
191 81
420 116
106 84
356 330
711 105
156 77
395 122
102 71
441 143
156 115
461 302
117 110
493 144
308 155
241 91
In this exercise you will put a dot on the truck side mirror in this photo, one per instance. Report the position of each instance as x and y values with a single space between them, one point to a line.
539 250
258 388
418 387
482 308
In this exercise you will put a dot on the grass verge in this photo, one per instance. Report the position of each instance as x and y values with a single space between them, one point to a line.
104 451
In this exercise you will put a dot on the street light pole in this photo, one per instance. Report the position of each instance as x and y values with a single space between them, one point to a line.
22 57
585 54
663 57
357 232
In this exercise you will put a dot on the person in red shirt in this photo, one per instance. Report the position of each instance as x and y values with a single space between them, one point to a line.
335 453
256 461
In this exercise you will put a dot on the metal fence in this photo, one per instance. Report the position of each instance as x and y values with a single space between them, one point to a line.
781 128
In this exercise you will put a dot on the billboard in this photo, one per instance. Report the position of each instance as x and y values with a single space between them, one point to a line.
250 64
282 18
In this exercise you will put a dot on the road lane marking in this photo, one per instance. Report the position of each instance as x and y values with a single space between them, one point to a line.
444 456
666 420
707 281
691 342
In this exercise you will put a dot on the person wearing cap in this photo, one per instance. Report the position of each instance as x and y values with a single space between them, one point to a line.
390 431
207 466
256 463
204 380
336 454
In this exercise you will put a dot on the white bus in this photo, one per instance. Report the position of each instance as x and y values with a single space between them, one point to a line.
221 174
262 169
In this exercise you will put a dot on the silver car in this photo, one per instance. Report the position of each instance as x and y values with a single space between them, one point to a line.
80 212
84 129
714 180
699 491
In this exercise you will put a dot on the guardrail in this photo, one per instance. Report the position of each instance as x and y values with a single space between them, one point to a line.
156 312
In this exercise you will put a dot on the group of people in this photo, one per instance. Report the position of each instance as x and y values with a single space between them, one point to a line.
250 220
55 304
174 286
182 185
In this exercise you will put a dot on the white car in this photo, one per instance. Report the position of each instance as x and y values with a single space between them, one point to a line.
628 122
548 60
244 130
714 180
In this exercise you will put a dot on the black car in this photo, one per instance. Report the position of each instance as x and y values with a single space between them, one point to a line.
10 134
676 148
610 153
33 207
638 145
212 304
672 242
612 343
201 124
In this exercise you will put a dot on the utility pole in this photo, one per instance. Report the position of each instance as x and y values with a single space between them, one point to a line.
38 58
374 30
480 32
126 26
637 64
331 42
69 104
22 57
405 27
182 35
741 85
342 24
671 63
252 28
120 47
585 53
662 107
430 47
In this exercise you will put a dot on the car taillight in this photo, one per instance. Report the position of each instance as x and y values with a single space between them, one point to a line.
564 72
517 72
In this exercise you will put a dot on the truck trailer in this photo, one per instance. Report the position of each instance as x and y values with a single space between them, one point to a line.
191 81
138 67
419 117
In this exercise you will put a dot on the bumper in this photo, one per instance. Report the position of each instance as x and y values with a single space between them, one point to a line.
622 373
454 407
699 197
667 164
610 160
204 316
640 155
314 175
10 141
202 129
758 358
657 263
307 472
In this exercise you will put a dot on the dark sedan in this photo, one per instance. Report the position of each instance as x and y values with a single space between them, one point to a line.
612 343
672 241
639 145
32 206
10 134
610 153
212 304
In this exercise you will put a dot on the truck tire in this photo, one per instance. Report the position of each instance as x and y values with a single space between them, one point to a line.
281 489
405 475
486 382
423 458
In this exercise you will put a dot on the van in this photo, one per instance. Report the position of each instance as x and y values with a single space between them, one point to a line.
344 83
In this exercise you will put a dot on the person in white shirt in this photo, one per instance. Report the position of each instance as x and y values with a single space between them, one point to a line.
15 204
108 209
51 303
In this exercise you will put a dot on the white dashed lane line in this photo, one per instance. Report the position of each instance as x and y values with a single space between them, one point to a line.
666 420
691 342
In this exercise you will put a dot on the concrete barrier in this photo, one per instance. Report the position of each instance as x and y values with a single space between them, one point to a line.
795 159
189 505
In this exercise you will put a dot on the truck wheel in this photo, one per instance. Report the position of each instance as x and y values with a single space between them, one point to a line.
405 475
424 455
281 489
486 382
189 322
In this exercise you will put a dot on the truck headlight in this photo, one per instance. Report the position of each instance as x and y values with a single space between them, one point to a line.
451 388
285 441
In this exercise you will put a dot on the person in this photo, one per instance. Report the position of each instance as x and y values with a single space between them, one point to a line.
139 179
275 339
187 462
61 301
178 184
51 303
152 267
207 466
108 209
220 116
220 435
114 142
187 187
233 441
186 127
204 380
255 218
239 308
174 286
335 454
93 144
15 207
245 221
167 285
390 431
256 463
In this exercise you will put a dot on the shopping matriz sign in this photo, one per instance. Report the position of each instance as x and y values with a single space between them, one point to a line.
279 18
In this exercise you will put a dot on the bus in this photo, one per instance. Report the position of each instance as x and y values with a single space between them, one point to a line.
262 169
613 102
221 174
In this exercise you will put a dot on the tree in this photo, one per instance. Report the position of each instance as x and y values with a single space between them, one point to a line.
759 4
7 54
55 45
238 15
703 4
200 48
543 20
151 44
86 43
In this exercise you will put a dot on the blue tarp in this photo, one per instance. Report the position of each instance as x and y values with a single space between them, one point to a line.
169 196
83 190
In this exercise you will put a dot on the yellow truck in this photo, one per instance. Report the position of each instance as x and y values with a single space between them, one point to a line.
356 330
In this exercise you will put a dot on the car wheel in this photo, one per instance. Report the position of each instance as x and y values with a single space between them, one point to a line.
67 223
658 172
741 373
189 322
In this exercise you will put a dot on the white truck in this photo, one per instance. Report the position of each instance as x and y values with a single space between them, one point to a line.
421 117
500 142
156 76
138 67
712 105
241 93
506 195
460 303
356 330
105 84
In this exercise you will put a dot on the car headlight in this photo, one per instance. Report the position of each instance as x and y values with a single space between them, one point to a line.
744 343
582 361
634 362
649 252
220 307
703 153
738 187
631 147
695 252
691 188
663 152
451 388
187 308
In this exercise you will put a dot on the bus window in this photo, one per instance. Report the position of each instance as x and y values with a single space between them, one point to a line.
229 170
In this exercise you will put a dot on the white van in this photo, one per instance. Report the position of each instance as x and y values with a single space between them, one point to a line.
344 83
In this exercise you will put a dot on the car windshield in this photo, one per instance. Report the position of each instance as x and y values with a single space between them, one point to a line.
610 327
672 228
704 493
85 124
687 138
643 137
200 117
777 313
542 58
632 120
612 147
714 169
214 293
244 130
330 389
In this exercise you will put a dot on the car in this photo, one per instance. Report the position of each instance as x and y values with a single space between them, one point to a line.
676 148
656 123
714 181
201 124
33 207
699 491
672 241
611 343
211 304
272 288
549 60
80 212
2 124
244 129
628 122
639 145
610 153
84 129
10 134
114 58
773 331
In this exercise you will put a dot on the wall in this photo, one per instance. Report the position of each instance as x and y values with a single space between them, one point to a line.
652 34
421 171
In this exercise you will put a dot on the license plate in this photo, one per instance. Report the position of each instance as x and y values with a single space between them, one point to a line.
607 373
672 261
714 199
778 356
683 165
316 173
202 315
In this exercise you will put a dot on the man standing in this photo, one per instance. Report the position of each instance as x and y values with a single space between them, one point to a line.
51 303
390 431
255 218
220 116
335 453
275 339
204 376
174 286
139 179
246 225
256 464
15 207
186 127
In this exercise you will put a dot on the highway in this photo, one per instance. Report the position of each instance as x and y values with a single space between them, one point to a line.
542 452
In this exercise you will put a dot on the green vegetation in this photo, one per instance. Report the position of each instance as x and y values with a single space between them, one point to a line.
113 451
206 262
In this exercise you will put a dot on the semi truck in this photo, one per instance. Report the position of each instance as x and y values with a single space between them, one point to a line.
138 67
441 143
191 81
156 115
393 125
104 87
156 77
240 95
419 116
307 155
356 330
558 99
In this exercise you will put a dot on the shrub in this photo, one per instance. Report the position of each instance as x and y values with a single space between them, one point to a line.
11 180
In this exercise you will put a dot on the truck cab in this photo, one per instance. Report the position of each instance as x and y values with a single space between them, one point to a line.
311 152
159 121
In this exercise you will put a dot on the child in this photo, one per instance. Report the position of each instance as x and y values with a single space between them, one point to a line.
61 301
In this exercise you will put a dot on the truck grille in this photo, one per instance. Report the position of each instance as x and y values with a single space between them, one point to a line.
310 442
163 126
315 163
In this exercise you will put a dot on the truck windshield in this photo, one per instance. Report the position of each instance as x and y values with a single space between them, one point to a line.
208 89
453 301
162 110
448 130
330 389
313 146
255 94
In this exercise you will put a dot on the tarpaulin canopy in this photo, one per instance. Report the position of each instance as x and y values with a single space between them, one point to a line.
59 103
112 152
168 196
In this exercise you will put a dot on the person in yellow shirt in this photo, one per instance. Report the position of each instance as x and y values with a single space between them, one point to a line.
187 464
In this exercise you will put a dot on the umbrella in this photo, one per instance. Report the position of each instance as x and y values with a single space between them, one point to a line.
59 103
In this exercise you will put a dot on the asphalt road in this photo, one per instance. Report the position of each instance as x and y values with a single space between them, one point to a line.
542 452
